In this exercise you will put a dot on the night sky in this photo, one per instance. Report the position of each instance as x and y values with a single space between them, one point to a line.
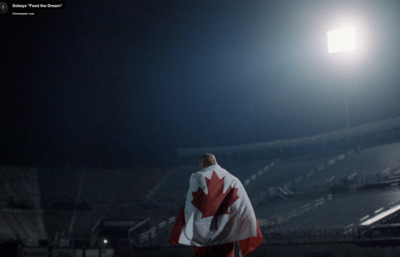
125 83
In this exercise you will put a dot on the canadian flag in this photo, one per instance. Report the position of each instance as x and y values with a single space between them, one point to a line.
217 211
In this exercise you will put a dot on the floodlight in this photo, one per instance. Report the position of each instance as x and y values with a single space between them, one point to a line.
341 40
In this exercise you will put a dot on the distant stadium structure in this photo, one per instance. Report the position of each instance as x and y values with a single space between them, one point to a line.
364 136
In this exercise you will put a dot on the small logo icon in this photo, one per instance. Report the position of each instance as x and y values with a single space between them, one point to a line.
3 8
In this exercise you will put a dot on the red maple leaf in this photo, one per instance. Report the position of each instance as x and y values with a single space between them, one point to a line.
216 202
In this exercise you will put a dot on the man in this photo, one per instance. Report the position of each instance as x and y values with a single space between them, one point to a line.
217 213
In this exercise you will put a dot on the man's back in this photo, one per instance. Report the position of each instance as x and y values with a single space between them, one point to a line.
217 211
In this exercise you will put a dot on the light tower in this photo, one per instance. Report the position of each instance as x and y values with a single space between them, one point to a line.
339 41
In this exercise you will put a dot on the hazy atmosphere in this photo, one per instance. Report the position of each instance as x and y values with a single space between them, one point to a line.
125 83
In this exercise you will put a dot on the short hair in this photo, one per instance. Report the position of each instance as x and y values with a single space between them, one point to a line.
208 159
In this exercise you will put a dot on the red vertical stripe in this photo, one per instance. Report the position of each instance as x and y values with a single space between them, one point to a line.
176 231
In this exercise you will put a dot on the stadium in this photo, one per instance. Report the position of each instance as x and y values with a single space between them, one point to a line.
334 194
107 107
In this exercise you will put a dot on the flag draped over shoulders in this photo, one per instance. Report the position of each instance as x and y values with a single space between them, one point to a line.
217 211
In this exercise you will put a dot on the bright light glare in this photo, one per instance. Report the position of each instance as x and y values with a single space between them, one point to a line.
341 40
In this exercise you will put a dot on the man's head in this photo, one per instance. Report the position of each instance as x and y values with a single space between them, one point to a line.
207 160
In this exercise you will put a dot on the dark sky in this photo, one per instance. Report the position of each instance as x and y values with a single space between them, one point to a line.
124 83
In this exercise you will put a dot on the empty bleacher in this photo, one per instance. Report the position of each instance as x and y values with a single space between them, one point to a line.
328 196
76 200
312 203
21 216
